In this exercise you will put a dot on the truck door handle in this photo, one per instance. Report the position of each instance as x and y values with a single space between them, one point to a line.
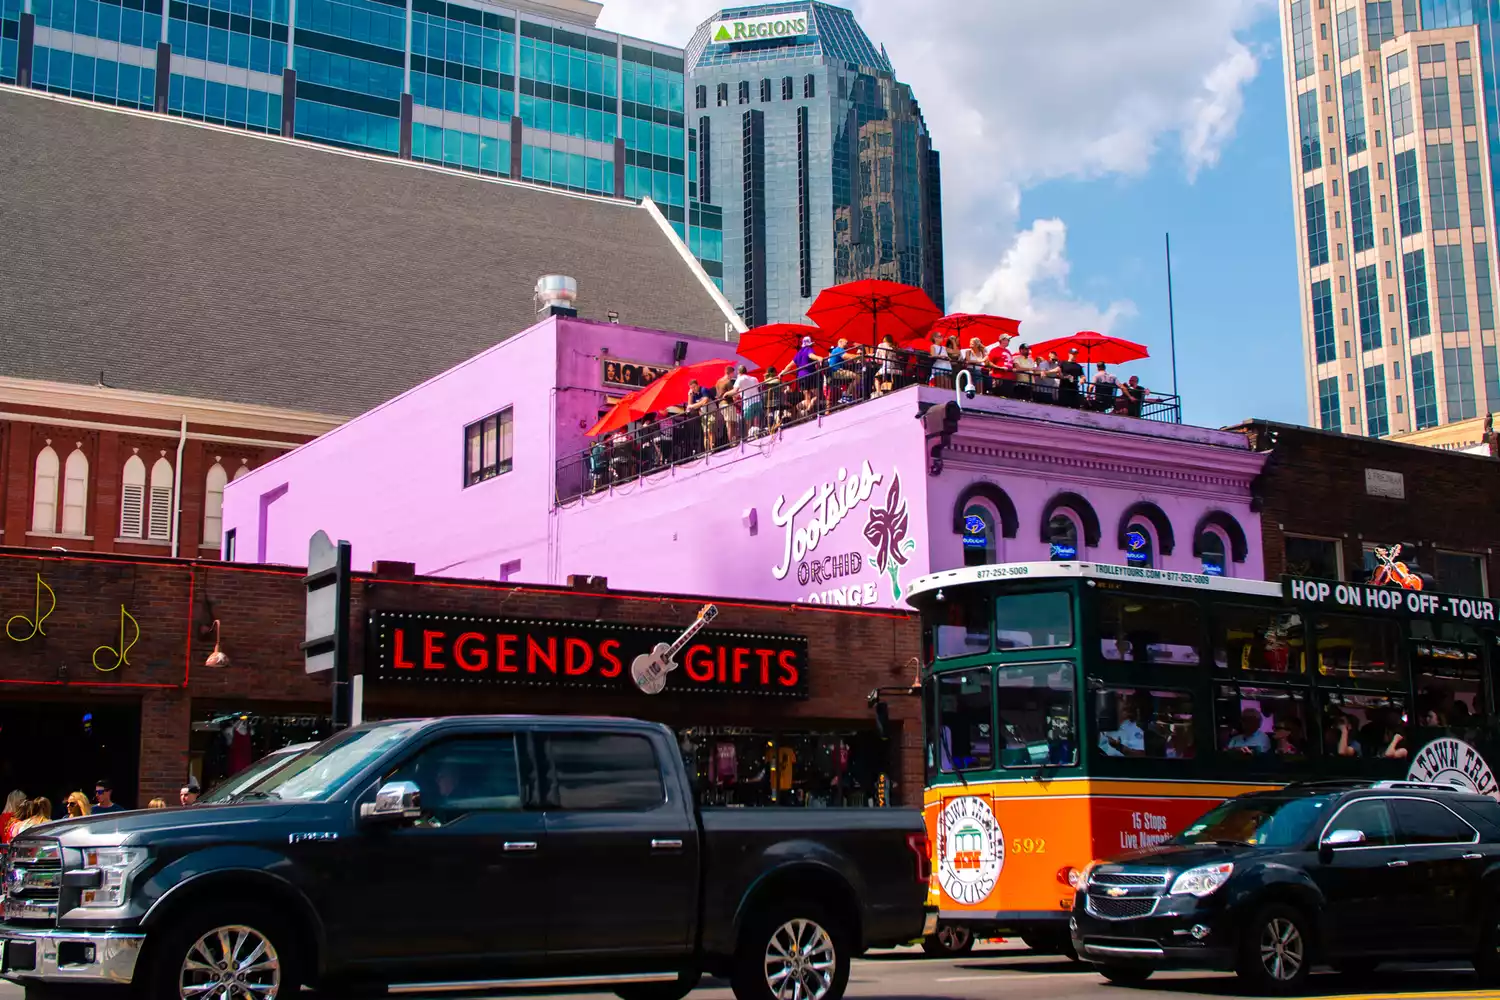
517 846
1472 857
1395 864
666 845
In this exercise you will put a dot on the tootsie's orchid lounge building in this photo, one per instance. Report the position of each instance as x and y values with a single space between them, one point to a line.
475 474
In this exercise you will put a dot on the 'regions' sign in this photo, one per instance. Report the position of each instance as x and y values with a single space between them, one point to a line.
457 649
755 29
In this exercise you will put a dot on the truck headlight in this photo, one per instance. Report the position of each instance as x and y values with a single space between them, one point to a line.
1202 881
115 866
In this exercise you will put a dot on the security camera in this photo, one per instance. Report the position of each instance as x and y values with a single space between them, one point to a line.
969 391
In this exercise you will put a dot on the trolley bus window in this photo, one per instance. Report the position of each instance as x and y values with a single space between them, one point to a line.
1136 629
1262 723
1139 722
1035 705
1359 652
1033 621
1372 726
1260 821
1445 657
966 729
961 624
1258 640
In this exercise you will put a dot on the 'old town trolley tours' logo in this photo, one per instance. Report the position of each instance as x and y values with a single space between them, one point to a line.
971 849
1447 761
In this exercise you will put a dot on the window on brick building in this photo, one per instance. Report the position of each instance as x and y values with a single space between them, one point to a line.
213 505
160 527
241 472
44 492
75 515
133 498
1320 558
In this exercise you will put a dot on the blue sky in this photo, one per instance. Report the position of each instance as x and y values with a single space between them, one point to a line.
1234 272
1074 133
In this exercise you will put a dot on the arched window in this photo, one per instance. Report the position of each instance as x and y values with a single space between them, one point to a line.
1140 545
1214 553
44 494
75 514
978 536
1062 532
213 505
133 498
161 500
242 472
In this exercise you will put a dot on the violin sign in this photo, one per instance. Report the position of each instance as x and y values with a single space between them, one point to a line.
420 648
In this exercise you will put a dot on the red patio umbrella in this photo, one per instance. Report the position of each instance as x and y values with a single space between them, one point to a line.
867 311
774 345
988 328
671 389
619 415
1093 347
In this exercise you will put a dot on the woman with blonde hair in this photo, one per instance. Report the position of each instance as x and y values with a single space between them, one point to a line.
157 804
38 811
78 805
13 803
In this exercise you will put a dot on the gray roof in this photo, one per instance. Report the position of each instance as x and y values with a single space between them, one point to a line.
203 262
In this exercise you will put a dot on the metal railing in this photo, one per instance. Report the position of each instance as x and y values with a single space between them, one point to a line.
658 443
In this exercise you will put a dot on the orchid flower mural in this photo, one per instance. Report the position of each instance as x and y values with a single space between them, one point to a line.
886 530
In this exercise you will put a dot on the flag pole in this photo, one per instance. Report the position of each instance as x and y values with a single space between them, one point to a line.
1172 328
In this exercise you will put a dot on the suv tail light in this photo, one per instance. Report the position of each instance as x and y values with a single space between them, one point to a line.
922 848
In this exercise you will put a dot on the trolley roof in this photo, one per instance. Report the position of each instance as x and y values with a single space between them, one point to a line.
1016 572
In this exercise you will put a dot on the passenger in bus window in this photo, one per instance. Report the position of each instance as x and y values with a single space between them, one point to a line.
1289 737
1382 736
1250 739
1338 738
1180 745
1129 740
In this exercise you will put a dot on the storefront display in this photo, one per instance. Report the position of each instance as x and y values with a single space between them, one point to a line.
755 767
225 743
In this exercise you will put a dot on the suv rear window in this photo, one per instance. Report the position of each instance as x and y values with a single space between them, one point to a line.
1422 821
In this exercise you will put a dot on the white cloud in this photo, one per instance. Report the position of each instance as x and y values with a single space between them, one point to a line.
1017 93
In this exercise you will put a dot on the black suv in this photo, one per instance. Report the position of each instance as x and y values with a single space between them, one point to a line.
1346 873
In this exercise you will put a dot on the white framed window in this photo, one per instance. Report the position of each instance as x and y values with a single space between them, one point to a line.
978 538
487 447
44 492
160 527
1309 555
1462 573
133 498
213 505
1213 550
1140 544
1065 536
75 512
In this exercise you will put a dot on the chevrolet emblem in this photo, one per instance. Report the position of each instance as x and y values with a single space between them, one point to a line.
1115 891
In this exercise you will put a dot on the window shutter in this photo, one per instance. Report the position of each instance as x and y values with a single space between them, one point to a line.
132 503
161 512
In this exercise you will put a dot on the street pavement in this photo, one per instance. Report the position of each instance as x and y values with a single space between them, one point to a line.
1000 972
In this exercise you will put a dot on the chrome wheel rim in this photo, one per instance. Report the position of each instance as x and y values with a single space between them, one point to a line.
230 963
800 961
1281 949
952 938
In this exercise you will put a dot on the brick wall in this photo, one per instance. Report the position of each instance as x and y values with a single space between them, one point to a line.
1314 484
261 610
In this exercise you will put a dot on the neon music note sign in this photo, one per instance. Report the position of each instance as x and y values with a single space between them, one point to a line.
122 654
38 619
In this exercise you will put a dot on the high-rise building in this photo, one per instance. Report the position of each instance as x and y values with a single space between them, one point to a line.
1393 113
530 90
817 154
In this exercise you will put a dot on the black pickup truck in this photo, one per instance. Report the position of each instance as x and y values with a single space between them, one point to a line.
545 854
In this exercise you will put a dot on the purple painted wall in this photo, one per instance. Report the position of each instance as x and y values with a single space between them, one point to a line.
814 514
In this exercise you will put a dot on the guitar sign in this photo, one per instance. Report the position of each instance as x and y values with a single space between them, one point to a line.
649 670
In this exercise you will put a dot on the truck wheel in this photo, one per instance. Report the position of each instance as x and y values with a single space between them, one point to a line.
791 951
1126 975
1275 950
229 951
949 940
676 990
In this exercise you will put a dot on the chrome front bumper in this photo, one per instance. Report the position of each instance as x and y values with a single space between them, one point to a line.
56 956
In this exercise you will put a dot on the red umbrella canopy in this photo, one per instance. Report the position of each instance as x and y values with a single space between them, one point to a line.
869 310
966 326
619 415
1092 347
671 389
774 345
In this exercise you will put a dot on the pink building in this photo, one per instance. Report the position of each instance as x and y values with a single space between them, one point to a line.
482 472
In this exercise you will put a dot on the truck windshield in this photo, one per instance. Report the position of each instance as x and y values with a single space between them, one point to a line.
1262 821
318 773
231 787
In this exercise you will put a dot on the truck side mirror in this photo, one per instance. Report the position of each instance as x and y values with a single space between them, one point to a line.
396 800
1336 839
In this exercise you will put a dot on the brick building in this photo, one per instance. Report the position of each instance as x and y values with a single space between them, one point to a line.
1328 501
102 669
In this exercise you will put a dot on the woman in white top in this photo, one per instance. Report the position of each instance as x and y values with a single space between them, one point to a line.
942 369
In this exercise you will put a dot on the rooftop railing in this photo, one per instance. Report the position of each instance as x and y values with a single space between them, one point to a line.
678 438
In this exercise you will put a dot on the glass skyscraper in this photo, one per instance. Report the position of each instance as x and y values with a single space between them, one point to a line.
1393 113
817 154
536 93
